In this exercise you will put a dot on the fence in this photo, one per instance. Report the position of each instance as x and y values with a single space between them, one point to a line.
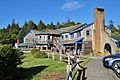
74 69
55 54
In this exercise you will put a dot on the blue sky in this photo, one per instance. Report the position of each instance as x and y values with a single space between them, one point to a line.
56 10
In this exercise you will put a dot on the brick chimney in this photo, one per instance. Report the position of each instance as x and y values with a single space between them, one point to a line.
98 28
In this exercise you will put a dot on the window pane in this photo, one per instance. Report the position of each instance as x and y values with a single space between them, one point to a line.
87 32
72 36
66 36
78 33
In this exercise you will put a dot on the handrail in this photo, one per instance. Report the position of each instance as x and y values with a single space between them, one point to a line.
57 43
74 75
74 65
67 77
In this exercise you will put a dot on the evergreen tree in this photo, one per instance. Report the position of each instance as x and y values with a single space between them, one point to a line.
41 25
32 25
111 25
22 32
114 30
25 29
52 26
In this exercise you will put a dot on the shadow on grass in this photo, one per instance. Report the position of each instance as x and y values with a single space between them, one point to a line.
28 73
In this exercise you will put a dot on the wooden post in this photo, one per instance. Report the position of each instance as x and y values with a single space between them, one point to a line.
78 60
68 62
48 55
75 48
69 66
60 56
53 56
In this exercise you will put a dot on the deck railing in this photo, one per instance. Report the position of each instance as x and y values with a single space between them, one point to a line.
44 42
58 44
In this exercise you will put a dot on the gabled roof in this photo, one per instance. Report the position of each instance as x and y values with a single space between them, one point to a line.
61 30
108 27
31 31
47 32
85 26
117 42
69 29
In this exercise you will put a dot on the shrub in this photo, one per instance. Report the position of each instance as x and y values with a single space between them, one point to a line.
106 53
118 50
9 59
39 54
96 53
34 51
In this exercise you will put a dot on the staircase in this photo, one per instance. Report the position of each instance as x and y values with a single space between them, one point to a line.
58 44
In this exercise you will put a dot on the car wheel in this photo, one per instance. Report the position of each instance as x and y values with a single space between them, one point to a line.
116 66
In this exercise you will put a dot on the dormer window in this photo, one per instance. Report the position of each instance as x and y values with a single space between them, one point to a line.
26 39
88 33
78 33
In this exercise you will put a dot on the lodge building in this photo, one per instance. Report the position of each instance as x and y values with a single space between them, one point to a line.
83 37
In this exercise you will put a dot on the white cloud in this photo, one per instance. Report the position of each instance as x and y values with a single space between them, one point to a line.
72 5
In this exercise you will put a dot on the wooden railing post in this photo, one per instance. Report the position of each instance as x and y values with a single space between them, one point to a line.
78 60
60 56
48 55
53 56
69 66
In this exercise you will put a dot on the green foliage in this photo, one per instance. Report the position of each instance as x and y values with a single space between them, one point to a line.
9 59
41 25
38 54
26 28
9 35
96 53
13 31
115 30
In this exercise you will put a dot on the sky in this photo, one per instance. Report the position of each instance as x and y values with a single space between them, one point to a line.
56 10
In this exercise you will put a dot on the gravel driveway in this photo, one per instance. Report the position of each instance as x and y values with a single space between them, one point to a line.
96 71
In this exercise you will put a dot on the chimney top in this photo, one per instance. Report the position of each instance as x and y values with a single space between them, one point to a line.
100 9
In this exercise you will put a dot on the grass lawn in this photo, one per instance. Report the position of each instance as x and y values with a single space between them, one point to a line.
42 69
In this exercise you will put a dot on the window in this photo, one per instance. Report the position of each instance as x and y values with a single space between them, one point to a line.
39 37
44 48
88 32
49 48
72 36
78 33
66 36
48 37
39 48
62 37
26 39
